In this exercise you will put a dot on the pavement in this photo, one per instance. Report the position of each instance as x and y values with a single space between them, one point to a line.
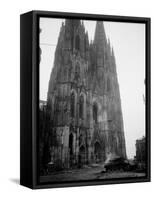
87 173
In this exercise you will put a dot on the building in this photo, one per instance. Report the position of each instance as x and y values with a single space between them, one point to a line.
83 100
140 150
42 105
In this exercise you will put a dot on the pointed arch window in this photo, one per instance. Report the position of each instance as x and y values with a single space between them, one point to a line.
81 106
108 85
55 110
77 71
77 68
73 105
71 143
95 113
77 43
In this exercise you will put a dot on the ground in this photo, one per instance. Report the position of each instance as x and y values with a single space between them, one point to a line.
87 173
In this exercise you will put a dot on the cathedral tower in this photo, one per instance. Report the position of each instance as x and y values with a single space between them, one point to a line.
83 102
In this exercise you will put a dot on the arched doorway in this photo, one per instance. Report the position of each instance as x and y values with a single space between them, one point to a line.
98 154
71 148
82 155
95 113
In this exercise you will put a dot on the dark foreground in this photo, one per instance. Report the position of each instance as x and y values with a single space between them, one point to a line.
87 173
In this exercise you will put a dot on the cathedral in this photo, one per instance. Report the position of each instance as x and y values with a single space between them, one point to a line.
85 122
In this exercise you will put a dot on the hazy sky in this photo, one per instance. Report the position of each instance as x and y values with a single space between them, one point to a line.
128 41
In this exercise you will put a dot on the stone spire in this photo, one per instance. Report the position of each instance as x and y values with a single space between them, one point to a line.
72 22
100 35
100 43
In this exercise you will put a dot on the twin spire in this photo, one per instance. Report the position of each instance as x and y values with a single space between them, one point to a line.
100 44
100 38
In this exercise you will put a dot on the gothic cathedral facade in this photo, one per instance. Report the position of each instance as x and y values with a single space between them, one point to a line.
83 101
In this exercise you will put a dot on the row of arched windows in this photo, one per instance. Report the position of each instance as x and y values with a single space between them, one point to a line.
81 105
81 108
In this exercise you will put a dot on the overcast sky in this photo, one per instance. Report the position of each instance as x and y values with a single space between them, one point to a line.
128 41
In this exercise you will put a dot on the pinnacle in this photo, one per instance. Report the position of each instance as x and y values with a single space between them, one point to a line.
72 22
100 36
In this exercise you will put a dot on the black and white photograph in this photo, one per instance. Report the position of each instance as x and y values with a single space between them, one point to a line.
76 109
92 113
